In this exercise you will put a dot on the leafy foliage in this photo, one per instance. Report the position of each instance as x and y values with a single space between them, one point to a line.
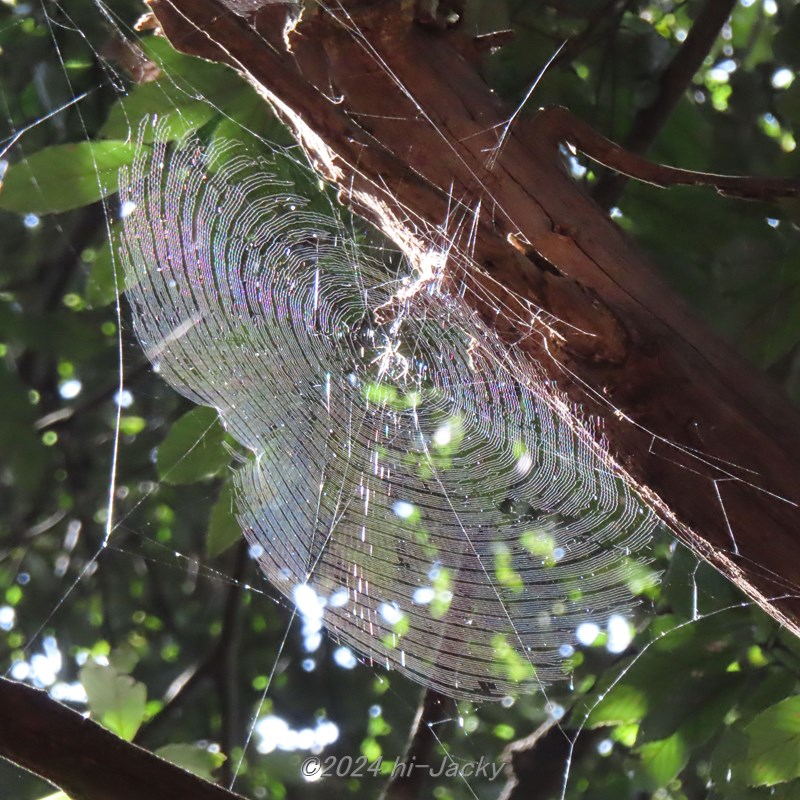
64 177
115 700
162 636
194 448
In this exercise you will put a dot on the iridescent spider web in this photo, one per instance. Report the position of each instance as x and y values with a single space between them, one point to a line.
457 523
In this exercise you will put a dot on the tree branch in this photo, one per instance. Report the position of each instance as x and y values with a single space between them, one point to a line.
226 661
407 784
674 81
219 666
560 126
84 759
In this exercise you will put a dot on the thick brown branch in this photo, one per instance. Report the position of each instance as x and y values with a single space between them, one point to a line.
674 81
85 760
714 447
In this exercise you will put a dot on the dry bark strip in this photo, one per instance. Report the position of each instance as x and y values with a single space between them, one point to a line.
396 115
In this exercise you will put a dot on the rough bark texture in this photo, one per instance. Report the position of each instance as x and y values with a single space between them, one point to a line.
84 760
396 115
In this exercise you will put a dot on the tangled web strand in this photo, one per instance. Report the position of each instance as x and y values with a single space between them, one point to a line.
455 523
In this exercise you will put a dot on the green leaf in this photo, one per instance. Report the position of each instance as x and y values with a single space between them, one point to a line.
775 684
773 753
691 583
625 704
696 708
123 658
730 757
180 104
178 112
223 527
192 758
199 77
249 120
669 683
64 177
116 701
663 760
193 449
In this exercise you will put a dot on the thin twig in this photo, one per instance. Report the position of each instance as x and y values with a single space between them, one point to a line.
674 81
535 764
226 662
559 126
218 666
406 783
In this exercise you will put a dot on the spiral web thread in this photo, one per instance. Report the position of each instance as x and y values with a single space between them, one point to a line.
455 522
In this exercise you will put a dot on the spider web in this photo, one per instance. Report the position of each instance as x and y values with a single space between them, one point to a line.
457 522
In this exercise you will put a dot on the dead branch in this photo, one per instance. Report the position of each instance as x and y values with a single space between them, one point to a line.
433 710
84 759
672 84
538 760
559 126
